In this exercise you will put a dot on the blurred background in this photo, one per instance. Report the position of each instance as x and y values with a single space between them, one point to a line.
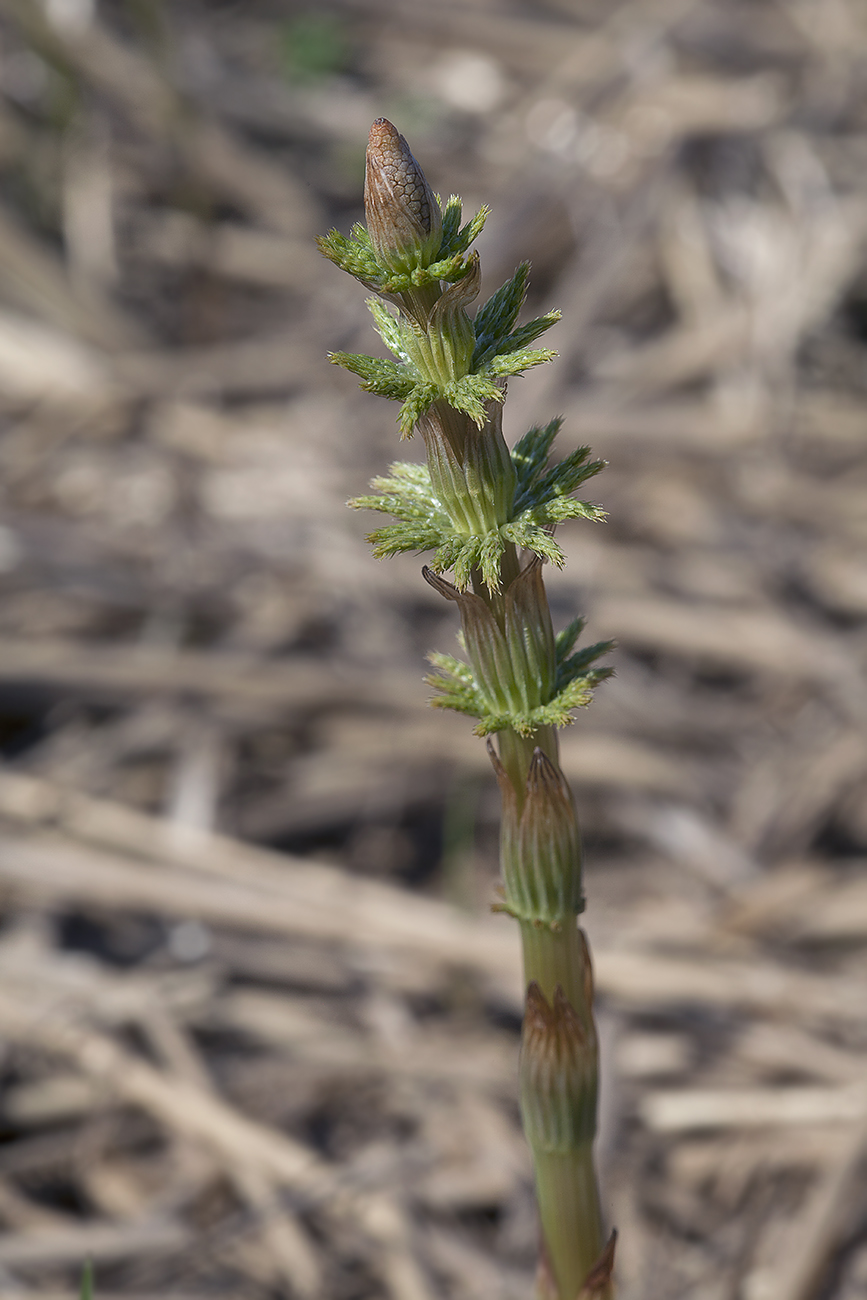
258 1029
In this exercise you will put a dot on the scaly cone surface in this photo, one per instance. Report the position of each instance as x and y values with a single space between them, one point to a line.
488 514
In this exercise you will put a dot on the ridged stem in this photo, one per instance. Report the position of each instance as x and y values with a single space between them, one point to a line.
542 860
509 640
471 472
566 1186
546 881
516 753
568 1200
557 957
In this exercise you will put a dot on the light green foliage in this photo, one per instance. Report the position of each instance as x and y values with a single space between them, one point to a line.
457 238
541 500
471 394
517 362
496 317
474 359
355 254
377 375
407 495
388 328
418 391
422 396
574 684
495 336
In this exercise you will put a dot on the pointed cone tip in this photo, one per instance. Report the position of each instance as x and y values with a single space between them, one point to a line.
540 762
537 1012
561 1002
544 777
564 1017
403 217
382 129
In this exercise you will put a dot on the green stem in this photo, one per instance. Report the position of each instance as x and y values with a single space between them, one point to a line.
566 1186
515 679
553 957
556 957
516 752
569 1210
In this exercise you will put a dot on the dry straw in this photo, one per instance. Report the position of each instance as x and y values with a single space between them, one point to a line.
488 515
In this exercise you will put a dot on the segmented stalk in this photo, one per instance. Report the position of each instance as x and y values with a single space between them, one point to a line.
488 515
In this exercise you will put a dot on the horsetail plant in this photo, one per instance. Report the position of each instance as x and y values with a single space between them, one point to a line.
488 515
